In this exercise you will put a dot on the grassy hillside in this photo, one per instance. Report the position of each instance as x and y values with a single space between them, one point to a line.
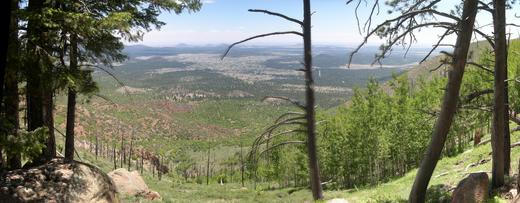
449 171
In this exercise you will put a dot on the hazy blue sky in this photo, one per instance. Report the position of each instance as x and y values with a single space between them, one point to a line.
225 21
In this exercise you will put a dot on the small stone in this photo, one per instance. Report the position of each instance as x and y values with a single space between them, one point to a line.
64 174
34 171
42 193
512 193
4 189
26 194
16 177
337 200
152 195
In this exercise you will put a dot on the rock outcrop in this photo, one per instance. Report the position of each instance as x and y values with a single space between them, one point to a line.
132 184
337 200
473 188
57 181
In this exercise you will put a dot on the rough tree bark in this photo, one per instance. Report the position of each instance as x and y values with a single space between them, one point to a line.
449 105
499 107
12 99
49 151
71 102
34 90
6 24
317 191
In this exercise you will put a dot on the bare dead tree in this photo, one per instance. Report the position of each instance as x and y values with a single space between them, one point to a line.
142 161
130 151
241 164
122 151
307 121
114 155
207 165
97 145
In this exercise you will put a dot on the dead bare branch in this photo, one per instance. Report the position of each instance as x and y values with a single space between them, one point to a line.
294 102
481 67
105 98
448 32
444 62
277 14
368 23
485 36
259 36
470 97
289 114
273 136
279 145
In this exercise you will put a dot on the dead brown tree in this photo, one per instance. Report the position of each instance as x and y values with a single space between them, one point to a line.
114 155
130 151
308 120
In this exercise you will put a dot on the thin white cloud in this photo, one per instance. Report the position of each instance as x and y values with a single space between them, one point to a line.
208 1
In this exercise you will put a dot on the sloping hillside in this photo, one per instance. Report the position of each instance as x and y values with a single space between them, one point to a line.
449 172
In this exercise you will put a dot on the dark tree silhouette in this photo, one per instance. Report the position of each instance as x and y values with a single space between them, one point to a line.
6 25
500 112
71 102
11 98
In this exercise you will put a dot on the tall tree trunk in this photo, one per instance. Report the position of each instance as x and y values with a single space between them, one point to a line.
7 8
241 164
122 151
49 151
71 102
499 107
34 90
317 192
97 145
207 166
142 161
12 98
114 155
449 105
130 153
159 168
507 132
